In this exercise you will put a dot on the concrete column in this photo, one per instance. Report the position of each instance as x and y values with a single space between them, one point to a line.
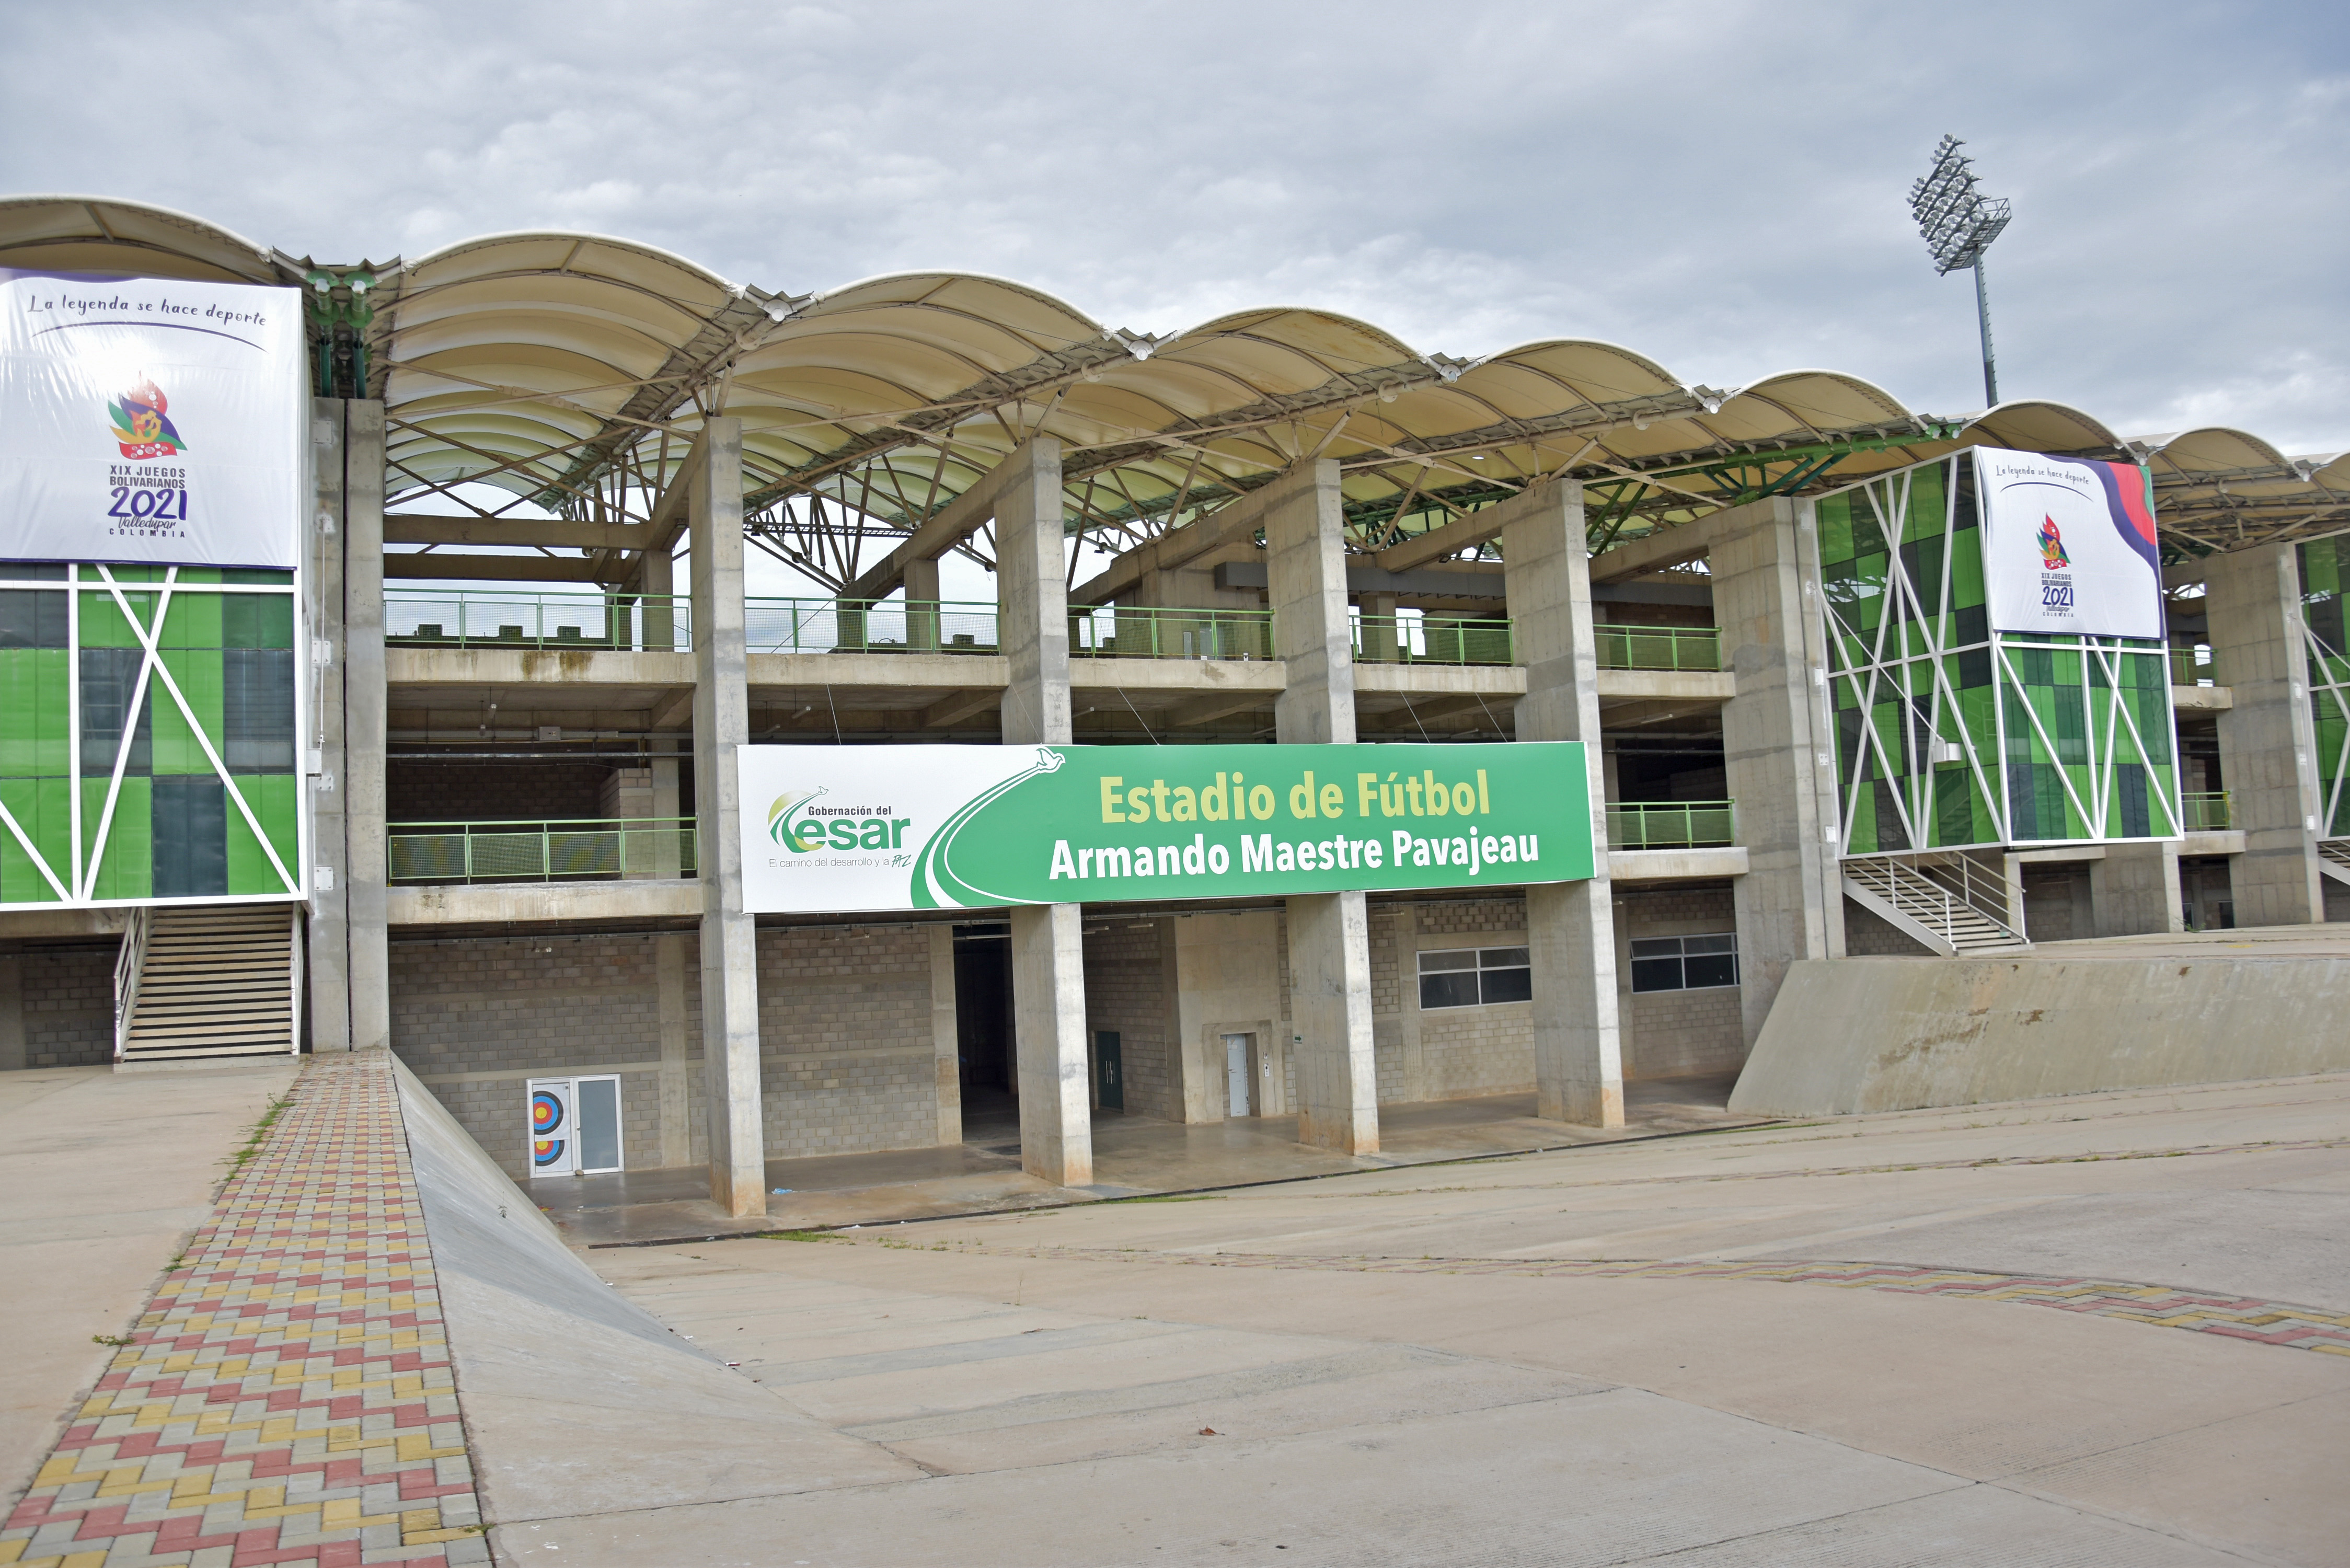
1329 933
676 1087
1626 1041
329 936
1778 744
1048 966
1378 628
1570 926
946 1056
2133 890
657 580
722 724
2268 747
922 604
365 717
1408 1038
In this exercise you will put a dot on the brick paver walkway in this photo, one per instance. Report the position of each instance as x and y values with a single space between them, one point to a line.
2230 1316
286 1397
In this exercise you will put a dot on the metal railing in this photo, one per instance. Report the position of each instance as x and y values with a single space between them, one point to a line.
1432 639
869 626
1672 824
428 618
1658 648
1127 631
130 964
1934 888
551 850
2209 810
2193 666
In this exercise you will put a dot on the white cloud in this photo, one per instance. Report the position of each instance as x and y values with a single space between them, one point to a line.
1720 186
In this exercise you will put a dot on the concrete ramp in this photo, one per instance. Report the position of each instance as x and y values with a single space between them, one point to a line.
576 1400
1890 1033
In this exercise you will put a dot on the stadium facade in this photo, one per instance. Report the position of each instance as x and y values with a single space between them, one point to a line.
461 772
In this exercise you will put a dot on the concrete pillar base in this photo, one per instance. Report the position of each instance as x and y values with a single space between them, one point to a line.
1330 1022
1578 1052
1048 1007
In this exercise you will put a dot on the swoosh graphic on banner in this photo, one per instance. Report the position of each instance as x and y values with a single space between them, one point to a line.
166 326
936 886
2125 502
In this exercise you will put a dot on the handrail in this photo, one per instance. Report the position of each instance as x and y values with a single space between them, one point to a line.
773 625
2206 811
1672 824
542 849
2193 665
1160 631
130 965
468 617
1623 647
1433 638
1956 877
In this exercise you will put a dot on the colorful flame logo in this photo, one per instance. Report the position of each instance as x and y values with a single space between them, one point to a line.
142 424
2053 557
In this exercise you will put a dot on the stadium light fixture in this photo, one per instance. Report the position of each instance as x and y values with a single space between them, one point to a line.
1958 223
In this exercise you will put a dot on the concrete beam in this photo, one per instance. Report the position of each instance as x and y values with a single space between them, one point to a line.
1460 534
950 526
1462 581
1657 552
950 711
1676 865
497 903
1232 526
1681 686
525 666
488 568
411 528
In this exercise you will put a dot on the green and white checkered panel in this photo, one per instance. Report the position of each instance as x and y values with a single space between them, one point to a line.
1949 735
2324 582
181 758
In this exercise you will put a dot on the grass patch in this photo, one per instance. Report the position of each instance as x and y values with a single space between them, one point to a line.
796 1236
257 1134
116 1340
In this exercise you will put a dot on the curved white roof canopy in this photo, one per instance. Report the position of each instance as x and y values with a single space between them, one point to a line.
574 370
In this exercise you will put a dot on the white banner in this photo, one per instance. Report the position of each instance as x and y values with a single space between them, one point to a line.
149 420
2068 545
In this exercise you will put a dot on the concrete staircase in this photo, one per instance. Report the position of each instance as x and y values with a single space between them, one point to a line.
2333 858
1945 904
192 983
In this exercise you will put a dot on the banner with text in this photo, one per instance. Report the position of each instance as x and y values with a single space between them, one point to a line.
843 829
2068 545
149 420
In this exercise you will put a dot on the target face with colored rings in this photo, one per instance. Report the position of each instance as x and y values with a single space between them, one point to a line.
546 1112
545 1151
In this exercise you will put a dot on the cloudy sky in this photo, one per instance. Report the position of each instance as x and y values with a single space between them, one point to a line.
1720 186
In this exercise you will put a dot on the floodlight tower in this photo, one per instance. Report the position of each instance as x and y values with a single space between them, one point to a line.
1958 223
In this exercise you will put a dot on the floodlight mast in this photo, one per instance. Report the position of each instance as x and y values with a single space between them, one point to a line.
1958 223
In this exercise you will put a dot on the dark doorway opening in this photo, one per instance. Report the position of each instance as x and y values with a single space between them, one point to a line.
988 1067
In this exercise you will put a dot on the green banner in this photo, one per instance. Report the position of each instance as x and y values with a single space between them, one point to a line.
883 828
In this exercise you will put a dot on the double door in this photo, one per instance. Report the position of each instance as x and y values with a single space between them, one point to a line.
575 1126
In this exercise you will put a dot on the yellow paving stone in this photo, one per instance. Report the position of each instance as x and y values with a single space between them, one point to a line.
414 1446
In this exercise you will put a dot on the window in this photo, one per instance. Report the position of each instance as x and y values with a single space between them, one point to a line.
1474 977
1684 964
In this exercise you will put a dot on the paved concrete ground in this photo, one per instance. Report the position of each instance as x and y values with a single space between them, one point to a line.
105 1175
1132 1155
1377 1368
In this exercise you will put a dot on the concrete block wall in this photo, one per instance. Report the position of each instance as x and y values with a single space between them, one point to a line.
476 1019
1867 935
1683 1034
1472 1051
1126 990
68 1006
846 1053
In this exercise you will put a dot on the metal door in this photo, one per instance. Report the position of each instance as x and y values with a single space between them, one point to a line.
1112 1068
553 1136
1236 1075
